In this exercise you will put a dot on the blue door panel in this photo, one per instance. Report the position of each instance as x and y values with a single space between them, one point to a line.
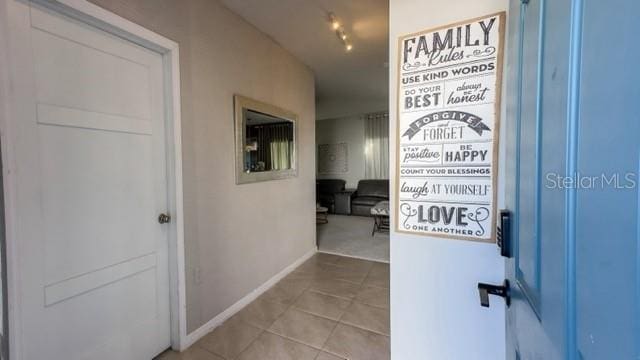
535 144
527 254
572 96
607 213
553 100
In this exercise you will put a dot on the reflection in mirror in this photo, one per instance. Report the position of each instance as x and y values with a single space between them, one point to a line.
268 142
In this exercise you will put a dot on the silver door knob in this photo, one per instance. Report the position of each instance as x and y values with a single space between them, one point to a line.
164 218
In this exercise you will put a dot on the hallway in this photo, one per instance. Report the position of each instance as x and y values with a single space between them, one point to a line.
331 307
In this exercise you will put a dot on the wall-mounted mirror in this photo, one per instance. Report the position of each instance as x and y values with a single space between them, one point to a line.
266 141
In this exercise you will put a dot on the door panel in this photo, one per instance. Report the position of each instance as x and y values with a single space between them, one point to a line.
607 240
67 52
94 261
527 254
575 270
553 99
104 226
535 147
4 304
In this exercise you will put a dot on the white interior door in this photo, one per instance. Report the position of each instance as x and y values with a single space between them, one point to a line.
91 182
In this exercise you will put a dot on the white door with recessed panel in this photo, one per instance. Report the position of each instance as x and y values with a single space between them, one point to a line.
91 183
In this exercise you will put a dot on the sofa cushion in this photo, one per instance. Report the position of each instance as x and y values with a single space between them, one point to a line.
326 198
330 186
376 188
366 200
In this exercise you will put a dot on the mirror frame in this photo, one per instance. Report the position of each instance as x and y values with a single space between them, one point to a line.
241 102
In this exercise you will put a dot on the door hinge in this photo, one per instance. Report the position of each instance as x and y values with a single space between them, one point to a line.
164 218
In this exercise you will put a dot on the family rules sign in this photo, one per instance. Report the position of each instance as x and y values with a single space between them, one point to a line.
449 82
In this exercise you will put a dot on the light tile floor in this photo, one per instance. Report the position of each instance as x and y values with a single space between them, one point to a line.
330 308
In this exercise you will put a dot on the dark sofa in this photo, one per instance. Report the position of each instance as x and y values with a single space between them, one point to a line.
326 190
369 193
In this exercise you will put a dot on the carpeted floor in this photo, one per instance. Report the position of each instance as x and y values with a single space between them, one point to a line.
351 236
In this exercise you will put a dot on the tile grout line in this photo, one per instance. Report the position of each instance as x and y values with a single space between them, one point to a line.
339 321
355 257
333 331
363 329
248 345
289 306
294 340
327 294
359 302
209 351
373 306
336 322
309 288
262 331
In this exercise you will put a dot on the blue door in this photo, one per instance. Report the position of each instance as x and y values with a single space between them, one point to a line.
573 155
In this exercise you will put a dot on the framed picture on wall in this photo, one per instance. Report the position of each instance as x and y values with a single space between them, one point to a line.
333 158
448 111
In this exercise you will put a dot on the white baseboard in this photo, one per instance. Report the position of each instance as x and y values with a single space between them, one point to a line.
240 304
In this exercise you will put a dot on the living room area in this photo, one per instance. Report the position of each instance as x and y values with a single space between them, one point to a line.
352 135
352 186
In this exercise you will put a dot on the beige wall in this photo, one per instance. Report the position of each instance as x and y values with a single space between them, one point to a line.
348 130
236 236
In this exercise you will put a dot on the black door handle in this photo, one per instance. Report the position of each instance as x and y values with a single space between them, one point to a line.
488 289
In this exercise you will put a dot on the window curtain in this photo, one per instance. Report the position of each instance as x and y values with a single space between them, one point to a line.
275 146
376 136
281 147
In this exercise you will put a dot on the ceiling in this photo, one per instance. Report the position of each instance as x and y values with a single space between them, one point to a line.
258 118
345 81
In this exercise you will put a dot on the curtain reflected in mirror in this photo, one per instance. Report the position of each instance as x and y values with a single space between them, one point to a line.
269 143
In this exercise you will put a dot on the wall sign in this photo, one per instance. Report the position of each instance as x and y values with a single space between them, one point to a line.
449 82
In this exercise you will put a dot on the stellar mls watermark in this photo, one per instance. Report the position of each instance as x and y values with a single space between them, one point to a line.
601 181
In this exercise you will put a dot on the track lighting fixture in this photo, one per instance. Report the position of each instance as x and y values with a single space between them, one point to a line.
339 29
